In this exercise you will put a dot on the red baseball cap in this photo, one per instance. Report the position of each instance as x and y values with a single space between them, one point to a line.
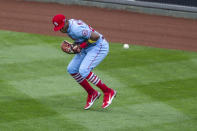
58 21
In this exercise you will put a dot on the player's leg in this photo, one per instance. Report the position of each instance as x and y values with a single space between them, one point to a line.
109 93
94 56
93 95
73 69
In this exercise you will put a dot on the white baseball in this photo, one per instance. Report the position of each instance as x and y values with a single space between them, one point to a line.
125 46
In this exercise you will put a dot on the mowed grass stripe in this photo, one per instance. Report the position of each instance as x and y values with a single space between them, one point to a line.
20 62
158 72
170 90
187 108
28 53
34 69
47 86
24 110
132 116
74 103
15 105
48 123
20 111
19 38
137 56
64 102
75 115
185 125
146 97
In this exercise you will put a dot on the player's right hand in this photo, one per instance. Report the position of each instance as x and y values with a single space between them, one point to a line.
76 48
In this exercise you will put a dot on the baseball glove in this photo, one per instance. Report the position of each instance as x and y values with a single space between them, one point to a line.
69 48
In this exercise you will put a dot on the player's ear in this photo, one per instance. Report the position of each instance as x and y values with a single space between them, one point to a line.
66 21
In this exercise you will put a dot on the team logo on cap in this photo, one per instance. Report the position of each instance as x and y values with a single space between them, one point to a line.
55 23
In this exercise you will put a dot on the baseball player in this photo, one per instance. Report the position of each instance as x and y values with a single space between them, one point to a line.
90 48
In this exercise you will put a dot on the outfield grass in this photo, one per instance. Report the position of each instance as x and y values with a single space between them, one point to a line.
156 88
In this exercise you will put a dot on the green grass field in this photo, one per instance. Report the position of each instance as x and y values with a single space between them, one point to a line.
156 88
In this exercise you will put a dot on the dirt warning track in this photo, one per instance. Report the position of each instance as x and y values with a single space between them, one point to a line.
115 25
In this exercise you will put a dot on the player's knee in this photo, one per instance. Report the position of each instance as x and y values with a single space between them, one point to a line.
84 72
71 70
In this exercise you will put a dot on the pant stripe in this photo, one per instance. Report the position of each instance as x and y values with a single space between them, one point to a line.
95 56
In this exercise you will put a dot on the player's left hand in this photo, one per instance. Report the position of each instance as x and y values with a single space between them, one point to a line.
76 48
67 47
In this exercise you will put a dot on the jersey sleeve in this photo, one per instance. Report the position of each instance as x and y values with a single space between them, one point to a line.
83 31
86 33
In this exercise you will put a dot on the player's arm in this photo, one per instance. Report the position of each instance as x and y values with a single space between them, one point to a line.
93 39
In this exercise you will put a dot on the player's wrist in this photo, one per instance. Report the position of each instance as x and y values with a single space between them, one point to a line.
83 44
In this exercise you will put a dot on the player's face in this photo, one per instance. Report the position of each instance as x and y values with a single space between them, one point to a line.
63 30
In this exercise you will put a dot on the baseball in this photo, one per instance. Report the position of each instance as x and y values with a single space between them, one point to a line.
125 46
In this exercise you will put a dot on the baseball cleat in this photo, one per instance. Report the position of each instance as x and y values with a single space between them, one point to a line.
108 98
91 99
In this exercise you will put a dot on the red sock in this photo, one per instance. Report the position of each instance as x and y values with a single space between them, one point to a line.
83 82
96 81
